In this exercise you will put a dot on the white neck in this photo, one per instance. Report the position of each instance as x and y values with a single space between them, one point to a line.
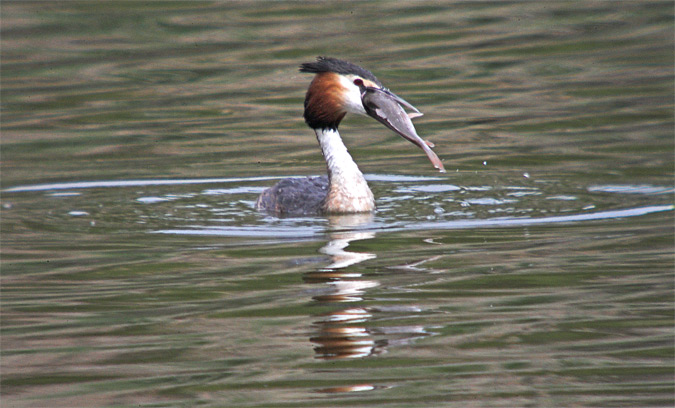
348 190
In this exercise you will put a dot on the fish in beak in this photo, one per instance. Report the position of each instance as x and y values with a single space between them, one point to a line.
387 108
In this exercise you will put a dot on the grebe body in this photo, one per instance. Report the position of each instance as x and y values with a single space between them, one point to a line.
340 87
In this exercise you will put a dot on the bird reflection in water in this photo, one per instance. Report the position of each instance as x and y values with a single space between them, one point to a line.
345 333
341 333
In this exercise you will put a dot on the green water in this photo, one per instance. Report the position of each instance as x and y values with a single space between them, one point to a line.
536 272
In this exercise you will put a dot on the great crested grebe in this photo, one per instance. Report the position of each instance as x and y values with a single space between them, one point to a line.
338 88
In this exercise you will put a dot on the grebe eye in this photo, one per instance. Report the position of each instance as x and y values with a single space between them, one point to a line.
358 82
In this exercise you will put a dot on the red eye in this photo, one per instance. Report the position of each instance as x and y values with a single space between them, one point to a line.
358 82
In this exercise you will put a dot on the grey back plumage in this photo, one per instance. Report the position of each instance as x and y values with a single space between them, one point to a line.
295 196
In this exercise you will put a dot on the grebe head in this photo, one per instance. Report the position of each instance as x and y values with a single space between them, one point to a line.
341 87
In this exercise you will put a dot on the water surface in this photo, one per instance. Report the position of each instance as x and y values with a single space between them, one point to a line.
538 271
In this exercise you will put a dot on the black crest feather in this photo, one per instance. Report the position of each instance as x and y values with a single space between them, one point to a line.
328 64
